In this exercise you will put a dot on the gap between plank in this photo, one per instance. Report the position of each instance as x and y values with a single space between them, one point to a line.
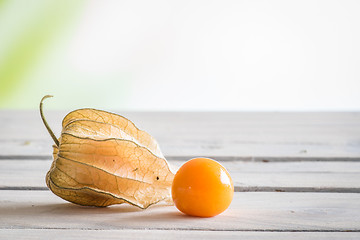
270 159
194 229
25 157
218 158
236 189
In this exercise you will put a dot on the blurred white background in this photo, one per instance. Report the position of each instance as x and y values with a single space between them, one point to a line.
224 55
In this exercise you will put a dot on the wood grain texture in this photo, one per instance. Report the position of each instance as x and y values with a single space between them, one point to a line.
247 176
75 234
313 157
248 212
244 136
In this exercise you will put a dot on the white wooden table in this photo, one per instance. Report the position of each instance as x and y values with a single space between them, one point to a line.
296 175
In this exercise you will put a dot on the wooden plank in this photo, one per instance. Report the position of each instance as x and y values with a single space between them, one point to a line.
74 234
248 212
247 176
245 136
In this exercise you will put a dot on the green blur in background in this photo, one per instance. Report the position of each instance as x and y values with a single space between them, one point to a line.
28 29
33 34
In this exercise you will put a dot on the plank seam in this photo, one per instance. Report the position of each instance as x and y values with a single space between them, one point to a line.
236 189
188 229
218 158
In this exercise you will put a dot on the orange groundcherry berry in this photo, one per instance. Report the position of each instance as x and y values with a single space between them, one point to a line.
202 187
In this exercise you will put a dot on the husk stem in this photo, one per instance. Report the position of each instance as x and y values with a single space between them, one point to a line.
45 122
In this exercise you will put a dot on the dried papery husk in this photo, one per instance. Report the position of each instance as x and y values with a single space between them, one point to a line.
102 159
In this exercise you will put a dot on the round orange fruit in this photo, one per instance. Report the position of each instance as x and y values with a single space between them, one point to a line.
202 187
